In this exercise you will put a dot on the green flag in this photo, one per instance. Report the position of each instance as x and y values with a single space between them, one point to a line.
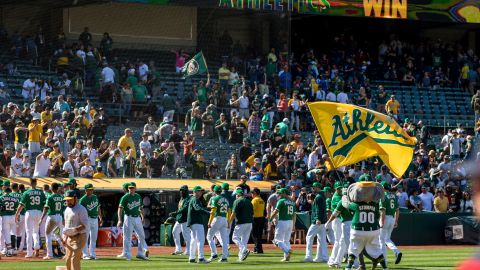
196 65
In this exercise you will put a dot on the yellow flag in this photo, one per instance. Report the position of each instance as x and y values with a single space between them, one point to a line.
352 134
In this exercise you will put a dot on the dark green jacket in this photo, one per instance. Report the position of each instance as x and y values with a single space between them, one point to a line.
196 212
319 209
182 212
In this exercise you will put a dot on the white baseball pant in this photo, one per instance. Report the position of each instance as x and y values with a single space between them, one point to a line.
241 234
21 232
133 223
368 240
330 235
181 228
344 242
197 241
42 228
337 232
8 228
283 233
92 233
52 222
385 234
219 226
32 217
321 234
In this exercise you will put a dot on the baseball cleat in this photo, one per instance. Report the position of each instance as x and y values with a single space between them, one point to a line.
223 260
147 253
86 258
307 260
121 256
318 260
202 261
191 261
399 258
245 255
289 254
142 257
177 253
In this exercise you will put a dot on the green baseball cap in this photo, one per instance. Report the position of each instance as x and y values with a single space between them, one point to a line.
225 185
72 181
365 177
184 187
69 195
6 182
197 188
317 185
337 184
60 184
327 189
88 186
283 191
239 192
386 185
217 188
125 185
132 184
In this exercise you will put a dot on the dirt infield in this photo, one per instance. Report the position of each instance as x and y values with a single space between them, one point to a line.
156 250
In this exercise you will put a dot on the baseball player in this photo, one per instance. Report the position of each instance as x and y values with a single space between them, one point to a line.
131 205
20 228
92 204
54 207
336 224
242 213
346 220
10 204
286 211
181 223
195 221
389 207
327 191
317 227
218 225
2 241
365 232
33 201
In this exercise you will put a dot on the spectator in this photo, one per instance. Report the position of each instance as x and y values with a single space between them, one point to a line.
440 202
85 37
392 107
142 167
224 76
126 141
427 199
42 164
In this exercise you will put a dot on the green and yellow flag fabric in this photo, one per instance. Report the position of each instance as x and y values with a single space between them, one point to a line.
196 65
352 134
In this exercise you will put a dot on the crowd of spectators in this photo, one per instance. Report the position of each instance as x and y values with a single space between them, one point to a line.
263 111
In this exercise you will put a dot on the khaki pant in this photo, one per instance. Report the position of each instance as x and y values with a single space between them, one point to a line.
74 246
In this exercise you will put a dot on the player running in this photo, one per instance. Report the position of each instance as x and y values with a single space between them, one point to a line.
389 207
92 204
242 212
131 205
286 211
33 201
317 227
218 225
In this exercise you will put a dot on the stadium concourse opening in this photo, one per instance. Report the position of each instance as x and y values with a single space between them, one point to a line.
188 120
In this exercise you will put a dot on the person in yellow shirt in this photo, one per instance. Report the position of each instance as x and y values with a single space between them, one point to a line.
440 203
127 141
224 76
393 107
34 135
46 116
464 76
258 220
99 173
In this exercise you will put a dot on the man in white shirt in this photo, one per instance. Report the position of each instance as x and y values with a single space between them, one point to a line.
108 75
16 164
313 158
331 96
455 144
90 152
42 166
342 97
402 197
243 104
28 88
446 139
71 165
384 175
26 167
427 199
320 95
145 146
142 71
87 169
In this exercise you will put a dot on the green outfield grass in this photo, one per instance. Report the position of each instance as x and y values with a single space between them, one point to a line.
413 258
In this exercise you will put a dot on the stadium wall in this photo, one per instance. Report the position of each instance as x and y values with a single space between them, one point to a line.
135 25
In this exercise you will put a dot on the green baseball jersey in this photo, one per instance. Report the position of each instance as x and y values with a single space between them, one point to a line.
10 204
365 216
319 209
196 211
19 197
33 199
335 199
221 204
390 204
243 209
54 204
91 203
131 204
286 209
328 202
344 213
182 212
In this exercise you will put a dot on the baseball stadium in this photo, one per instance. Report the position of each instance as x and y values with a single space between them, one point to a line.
203 134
